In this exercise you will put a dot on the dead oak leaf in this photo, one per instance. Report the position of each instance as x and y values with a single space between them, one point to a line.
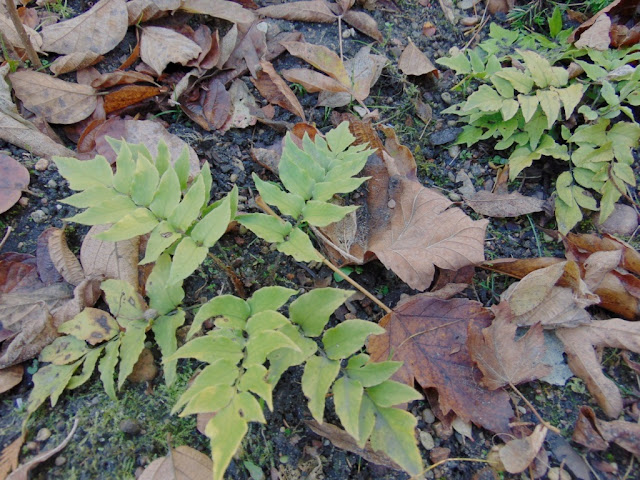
98 30
14 178
54 99
272 87
423 233
504 360
161 46
430 336
580 345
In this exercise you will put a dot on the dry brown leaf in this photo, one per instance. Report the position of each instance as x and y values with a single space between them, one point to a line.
342 440
11 35
321 58
129 95
423 232
597 35
118 260
272 87
111 79
502 6
63 258
22 472
501 205
503 360
313 81
250 50
54 99
9 378
14 178
74 61
161 46
98 30
224 9
595 434
182 463
363 22
145 368
9 456
84 295
414 62
305 11
516 455
580 345
430 336
213 107
140 11
243 103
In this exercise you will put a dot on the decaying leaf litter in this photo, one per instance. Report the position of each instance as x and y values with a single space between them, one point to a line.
576 280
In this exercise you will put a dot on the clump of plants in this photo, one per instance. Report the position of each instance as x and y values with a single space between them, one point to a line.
251 343
539 107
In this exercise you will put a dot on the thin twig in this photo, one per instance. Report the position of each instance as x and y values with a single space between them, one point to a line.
233 277
26 41
340 36
6 237
442 462
534 411
342 252
479 29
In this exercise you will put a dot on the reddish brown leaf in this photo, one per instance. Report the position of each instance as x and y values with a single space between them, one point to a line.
127 96
305 11
580 345
10 455
414 62
595 434
430 336
46 269
14 178
63 258
272 87
586 433
17 271
503 360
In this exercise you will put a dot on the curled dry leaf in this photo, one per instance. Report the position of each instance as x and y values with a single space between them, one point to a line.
596 434
430 336
182 463
98 30
129 95
63 258
145 369
213 107
516 455
580 345
414 62
161 46
54 99
503 205
272 87
10 377
503 360
118 260
140 11
14 178
74 61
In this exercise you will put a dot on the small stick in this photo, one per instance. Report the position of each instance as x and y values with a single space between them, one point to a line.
233 277
6 237
17 23
534 411
441 462
340 36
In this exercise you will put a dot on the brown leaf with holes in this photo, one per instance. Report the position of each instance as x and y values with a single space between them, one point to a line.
504 360
99 30
118 260
161 46
516 455
503 205
14 178
413 62
272 87
305 11
430 336
182 463
129 95
74 61
596 434
10 377
581 344
54 99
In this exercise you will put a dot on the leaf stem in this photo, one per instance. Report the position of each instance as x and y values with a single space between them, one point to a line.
26 41
267 209
534 411
6 237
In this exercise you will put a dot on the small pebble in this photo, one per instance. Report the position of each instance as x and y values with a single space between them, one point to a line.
42 164
284 458
32 446
43 435
426 439
444 136
391 204
130 427
556 474
454 197
469 21
454 151
52 183
428 416
24 201
622 221
233 178
446 97
60 461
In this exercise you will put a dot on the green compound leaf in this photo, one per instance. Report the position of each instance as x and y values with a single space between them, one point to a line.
138 222
269 298
209 349
567 214
125 168
145 182
280 360
312 310
485 99
520 81
125 303
64 350
254 380
324 191
182 167
233 308
321 214
161 238
164 331
132 342
297 171
459 63
110 210
85 174
550 104
91 325
371 374
265 226
394 434
319 374
163 296
268 320
390 393
226 431
348 337
260 345
93 197
340 138
186 259
610 195
167 197
529 105
248 407
288 203
209 399
298 245
107 367
347 396
509 108
88 366
163 158
220 372
366 420
570 97
189 208
210 228
50 381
